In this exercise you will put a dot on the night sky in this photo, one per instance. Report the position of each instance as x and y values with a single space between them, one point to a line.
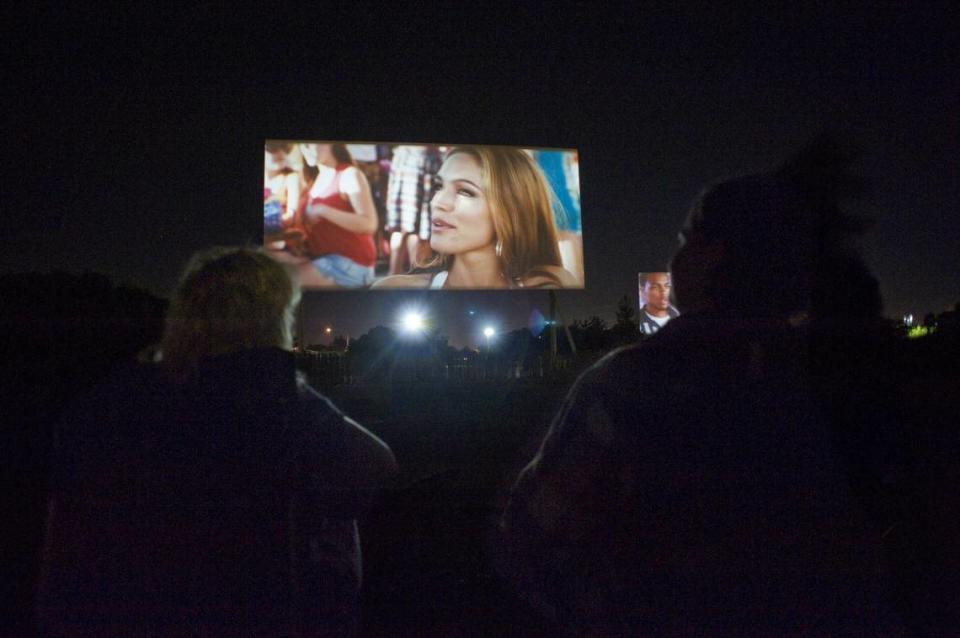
133 137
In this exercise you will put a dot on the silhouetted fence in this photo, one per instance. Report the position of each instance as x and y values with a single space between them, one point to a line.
328 368
324 368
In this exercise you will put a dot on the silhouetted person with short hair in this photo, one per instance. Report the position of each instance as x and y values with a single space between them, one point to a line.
212 492
690 485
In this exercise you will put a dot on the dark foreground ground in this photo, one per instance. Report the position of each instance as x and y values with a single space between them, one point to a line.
427 544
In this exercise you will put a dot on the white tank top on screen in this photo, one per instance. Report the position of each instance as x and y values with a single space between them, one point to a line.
438 280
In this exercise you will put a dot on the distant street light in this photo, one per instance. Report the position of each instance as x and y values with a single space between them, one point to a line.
413 322
489 332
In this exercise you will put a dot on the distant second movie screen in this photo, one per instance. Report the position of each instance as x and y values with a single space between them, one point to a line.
423 216
656 301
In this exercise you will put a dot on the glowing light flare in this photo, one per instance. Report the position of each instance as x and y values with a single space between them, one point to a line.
412 322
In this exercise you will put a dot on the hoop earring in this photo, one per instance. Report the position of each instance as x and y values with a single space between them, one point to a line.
499 248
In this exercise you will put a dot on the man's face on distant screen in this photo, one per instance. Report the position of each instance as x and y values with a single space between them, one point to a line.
656 292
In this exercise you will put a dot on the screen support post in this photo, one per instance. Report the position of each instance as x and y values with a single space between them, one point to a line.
555 316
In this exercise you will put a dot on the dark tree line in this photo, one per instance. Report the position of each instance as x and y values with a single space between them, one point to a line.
383 353
593 333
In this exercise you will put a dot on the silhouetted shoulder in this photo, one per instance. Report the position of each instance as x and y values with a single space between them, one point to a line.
348 455
403 281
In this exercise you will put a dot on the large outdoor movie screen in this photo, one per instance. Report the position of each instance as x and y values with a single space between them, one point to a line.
423 216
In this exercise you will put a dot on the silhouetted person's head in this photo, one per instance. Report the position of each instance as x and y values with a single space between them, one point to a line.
228 299
770 245
746 250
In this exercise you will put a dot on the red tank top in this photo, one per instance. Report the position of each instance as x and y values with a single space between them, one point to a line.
326 238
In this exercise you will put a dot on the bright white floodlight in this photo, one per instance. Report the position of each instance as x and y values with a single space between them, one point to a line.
412 322
489 332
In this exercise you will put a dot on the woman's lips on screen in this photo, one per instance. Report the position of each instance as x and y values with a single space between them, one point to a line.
439 225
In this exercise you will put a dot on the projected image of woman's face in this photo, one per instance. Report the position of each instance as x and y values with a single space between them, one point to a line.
421 215
461 220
